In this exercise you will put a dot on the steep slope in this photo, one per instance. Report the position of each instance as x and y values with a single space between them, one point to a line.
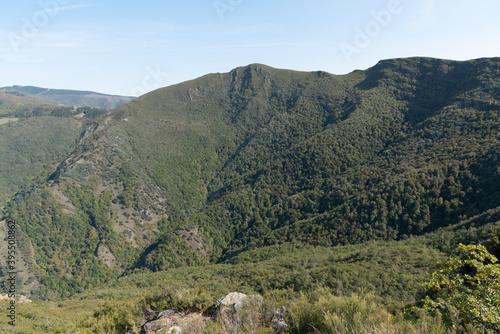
35 136
69 97
202 171
32 146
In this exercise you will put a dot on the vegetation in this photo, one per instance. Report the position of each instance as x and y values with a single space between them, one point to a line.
29 147
136 299
13 101
275 182
340 160
466 289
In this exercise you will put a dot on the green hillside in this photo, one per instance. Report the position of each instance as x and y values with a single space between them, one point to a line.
219 169
35 138
308 280
12 102
30 146
260 156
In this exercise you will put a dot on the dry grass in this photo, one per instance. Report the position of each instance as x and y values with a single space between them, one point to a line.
8 120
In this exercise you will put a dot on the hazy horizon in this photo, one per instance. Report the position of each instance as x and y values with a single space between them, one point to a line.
126 49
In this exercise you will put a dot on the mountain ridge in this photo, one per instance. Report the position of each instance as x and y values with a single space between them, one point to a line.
69 97
202 171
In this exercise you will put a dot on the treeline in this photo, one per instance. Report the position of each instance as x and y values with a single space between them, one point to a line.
37 111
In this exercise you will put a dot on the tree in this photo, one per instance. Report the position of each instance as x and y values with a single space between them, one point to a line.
493 244
466 289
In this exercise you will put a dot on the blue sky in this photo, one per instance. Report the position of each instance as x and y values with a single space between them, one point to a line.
130 47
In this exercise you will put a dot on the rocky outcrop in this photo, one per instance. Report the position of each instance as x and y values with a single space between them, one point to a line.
165 313
233 307
234 300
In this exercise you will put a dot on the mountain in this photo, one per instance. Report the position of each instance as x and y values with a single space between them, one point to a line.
69 97
231 168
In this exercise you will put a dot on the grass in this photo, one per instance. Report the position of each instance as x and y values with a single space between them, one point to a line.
48 317
14 102
8 120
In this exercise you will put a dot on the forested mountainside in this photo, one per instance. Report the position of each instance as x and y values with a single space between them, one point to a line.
68 97
213 170
35 136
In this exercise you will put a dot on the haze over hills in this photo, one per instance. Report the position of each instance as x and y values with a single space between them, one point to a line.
69 97
231 168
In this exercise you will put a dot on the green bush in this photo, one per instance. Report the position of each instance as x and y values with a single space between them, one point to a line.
117 317
466 289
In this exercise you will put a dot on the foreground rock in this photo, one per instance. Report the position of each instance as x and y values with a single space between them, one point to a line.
236 302
235 309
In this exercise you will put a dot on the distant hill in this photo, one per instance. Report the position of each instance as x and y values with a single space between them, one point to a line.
227 165
14 101
70 97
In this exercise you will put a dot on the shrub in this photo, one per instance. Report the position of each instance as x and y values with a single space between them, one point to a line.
465 290
320 311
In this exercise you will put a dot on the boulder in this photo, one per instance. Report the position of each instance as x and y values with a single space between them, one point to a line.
234 300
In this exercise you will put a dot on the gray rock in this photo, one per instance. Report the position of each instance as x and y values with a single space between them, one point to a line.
257 299
235 305
166 313
237 300
233 299
147 326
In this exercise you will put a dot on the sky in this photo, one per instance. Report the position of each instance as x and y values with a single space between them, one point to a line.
132 47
